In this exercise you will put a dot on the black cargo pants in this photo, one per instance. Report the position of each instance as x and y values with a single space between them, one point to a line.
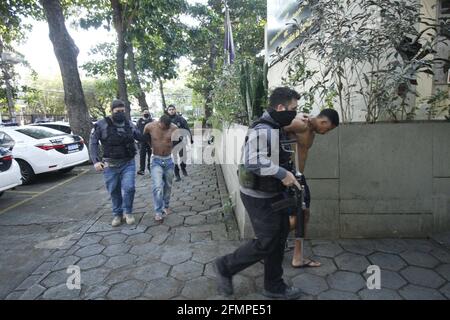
271 230
145 152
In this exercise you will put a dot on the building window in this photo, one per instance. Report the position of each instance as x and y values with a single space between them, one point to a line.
445 7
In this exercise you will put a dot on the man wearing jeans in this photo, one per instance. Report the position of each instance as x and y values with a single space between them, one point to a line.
117 136
161 165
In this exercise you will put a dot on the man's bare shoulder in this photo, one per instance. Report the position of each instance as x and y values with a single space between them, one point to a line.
298 125
173 127
149 126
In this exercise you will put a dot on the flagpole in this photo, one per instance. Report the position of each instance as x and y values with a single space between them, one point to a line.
225 51
228 42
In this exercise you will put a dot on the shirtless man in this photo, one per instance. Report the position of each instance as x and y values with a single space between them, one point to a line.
162 165
303 130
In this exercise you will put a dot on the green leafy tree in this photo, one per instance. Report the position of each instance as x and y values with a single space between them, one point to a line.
98 96
372 50
248 19
150 40
66 53
12 30
44 96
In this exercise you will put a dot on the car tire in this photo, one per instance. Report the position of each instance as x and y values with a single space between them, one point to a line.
65 170
27 172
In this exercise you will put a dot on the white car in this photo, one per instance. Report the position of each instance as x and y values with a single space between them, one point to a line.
10 176
40 149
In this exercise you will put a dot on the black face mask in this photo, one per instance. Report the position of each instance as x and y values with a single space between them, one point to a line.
146 116
283 118
119 117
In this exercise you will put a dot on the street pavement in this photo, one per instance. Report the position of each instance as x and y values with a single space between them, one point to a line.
70 225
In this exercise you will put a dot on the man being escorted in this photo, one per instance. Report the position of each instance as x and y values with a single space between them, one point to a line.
303 130
117 136
263 182
144 148
162 165
181 123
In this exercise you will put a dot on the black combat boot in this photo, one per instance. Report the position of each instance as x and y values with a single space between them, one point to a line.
183 169
177 173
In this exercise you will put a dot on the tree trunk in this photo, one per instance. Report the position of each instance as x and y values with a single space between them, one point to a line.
9 89
9 94
163 98
135 78
120 28
212 66
66 53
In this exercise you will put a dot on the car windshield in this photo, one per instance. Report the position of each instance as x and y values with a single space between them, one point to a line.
59 127
40 133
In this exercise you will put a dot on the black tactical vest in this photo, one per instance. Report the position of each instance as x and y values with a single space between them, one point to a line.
253 181
118 145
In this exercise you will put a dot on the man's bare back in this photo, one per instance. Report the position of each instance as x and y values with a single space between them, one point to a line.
161 137
301 130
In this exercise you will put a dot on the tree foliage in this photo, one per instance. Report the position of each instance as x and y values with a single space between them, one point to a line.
371 50
206 50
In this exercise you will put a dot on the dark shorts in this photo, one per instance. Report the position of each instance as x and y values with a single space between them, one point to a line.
307 196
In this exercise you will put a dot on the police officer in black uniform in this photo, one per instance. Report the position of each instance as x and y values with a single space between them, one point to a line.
145 149
117 135
181 123
263 178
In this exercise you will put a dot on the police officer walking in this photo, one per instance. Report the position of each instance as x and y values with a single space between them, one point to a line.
145 150
117 136
181 123
263 182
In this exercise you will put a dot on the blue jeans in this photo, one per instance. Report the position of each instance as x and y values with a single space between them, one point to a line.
162 176
120 183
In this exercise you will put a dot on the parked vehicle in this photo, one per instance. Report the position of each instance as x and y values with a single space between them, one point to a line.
10 176
40 149
57 125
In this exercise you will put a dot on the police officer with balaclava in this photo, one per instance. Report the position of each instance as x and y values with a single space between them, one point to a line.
264 176
117 136
145 149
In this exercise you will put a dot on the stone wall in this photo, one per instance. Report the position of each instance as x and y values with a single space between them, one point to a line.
371 180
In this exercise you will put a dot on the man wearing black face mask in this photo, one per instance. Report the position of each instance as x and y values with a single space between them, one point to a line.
145 148
263 182
117 136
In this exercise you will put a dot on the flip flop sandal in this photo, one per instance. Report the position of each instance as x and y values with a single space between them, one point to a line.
309 264
159 218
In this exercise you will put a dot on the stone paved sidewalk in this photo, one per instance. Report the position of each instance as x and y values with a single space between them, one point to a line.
173 260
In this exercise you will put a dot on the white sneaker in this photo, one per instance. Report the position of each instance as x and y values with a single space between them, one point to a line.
129 218
117 221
